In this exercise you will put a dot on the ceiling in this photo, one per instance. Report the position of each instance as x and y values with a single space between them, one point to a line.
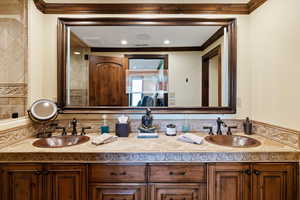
144 36
147 1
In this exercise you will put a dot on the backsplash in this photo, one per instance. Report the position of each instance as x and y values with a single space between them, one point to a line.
17 134
279 134
195 125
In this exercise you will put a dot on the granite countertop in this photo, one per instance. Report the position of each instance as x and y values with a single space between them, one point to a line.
162 149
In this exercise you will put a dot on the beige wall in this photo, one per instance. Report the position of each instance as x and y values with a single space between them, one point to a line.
36 56
275 50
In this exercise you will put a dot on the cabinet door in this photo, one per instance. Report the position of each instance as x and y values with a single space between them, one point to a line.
123 191
162 191
22 182
66 182
229 181
276 181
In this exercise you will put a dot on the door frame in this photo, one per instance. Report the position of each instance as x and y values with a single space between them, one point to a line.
149 56
205 75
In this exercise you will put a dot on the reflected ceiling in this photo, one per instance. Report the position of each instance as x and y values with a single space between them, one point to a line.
144 36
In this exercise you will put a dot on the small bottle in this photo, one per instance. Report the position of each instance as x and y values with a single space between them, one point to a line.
104 128
185 126
247 126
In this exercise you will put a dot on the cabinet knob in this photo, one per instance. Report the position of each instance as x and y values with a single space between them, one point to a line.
247 171
46 172
37 173
256 172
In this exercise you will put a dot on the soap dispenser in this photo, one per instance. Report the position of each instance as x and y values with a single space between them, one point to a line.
104 128
247 126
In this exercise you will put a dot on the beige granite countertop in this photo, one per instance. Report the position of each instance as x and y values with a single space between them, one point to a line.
160 149
132 144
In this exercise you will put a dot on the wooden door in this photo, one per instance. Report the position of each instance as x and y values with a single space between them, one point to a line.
122 191
175 191
274 181
22 182
229 181
107 85
66 182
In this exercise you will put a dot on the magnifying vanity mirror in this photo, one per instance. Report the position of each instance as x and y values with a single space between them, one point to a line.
43 112
124 65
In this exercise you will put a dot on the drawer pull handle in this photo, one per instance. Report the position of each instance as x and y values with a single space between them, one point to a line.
177 174
118 174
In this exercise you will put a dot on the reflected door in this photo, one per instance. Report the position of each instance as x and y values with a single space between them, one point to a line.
107 81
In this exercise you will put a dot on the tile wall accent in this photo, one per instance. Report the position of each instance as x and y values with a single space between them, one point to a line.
13 57
13 98
17 134
279 134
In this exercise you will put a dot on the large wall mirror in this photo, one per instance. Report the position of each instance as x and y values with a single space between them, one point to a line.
124 65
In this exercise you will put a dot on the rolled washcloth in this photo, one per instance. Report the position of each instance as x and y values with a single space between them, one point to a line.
103 139
191 138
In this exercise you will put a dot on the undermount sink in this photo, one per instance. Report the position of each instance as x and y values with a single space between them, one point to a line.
60 141
233 141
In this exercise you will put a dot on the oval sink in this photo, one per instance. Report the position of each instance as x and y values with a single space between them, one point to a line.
233 141
60 141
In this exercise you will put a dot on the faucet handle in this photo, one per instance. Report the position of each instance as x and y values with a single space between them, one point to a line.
64 132
83 130
229 129
210 129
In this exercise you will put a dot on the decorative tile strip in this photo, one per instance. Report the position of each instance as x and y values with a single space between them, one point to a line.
13 90
283 135
151 157
15 135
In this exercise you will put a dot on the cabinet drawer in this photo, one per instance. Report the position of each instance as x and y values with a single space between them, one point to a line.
177 173
117 173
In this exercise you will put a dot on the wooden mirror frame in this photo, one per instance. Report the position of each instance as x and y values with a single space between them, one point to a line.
64 23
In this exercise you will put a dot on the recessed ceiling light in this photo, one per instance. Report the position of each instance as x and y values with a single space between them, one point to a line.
76 52
167 42
124 42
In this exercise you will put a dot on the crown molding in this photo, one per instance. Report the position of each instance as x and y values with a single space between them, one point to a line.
147 8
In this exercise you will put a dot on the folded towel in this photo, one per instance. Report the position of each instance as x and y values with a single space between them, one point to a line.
147 135
103 139
191 138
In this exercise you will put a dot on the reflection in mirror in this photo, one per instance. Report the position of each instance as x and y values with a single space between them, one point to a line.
147 66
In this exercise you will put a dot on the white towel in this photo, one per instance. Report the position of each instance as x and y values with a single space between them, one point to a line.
191 138
103 139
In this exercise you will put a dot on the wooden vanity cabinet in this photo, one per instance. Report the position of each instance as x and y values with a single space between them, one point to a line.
177 182
256 181
118 191
22 182
66 182
274 181
43 181
117 182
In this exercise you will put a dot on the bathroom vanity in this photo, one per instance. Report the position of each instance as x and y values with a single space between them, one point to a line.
133 169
